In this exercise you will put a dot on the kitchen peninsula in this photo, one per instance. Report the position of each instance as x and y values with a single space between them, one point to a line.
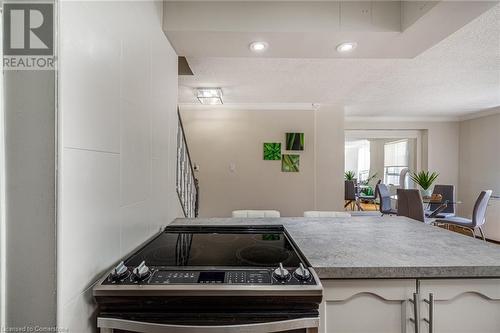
393 274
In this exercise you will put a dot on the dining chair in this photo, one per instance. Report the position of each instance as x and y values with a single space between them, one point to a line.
402 178
384 195
350 195
478 216
255 213
410 204
448 195
370 198
315 213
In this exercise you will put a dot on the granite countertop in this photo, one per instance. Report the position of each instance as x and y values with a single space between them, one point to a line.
380 247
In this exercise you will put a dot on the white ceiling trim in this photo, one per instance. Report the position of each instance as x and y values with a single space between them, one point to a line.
382 134
251 106
308 107
401 119
317 106
481 114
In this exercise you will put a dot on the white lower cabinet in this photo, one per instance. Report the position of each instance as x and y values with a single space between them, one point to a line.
391 306
367 306
460 306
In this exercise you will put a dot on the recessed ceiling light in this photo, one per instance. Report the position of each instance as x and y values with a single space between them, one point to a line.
258 46
346 47
210 96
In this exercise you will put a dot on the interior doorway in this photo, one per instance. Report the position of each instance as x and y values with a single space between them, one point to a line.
373 155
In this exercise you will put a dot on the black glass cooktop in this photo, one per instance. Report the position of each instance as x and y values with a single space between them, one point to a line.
218 247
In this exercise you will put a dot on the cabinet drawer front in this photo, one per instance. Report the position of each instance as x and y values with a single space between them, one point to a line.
390 290
449 289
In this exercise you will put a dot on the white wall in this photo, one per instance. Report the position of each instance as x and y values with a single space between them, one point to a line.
480 168
219 138
30 258
329 158
118 98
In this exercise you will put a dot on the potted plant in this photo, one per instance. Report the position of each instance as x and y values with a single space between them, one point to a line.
368 189
424 179
350 175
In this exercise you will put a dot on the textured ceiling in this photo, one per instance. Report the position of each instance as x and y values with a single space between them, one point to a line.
456 77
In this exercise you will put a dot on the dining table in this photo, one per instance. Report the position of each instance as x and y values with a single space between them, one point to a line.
434 199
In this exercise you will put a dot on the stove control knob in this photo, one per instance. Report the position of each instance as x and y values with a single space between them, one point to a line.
281 273
141 272
302 273
119 272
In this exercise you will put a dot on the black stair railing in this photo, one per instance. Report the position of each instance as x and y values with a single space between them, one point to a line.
186 183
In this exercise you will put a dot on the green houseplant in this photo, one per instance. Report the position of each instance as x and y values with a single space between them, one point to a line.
424 179
349 175
368 191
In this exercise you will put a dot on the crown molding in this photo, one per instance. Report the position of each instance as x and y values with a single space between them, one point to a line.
251 106
380 119
481 114
317 106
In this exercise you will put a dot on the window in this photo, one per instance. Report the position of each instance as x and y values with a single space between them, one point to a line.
395 160
357 158
364 161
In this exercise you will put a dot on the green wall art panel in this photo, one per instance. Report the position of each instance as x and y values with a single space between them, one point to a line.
294 141
290 163
272 151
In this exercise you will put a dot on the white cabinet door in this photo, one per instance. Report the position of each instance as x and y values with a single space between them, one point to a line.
460 306
367 306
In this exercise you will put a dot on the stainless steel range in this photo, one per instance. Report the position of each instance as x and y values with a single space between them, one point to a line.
211 280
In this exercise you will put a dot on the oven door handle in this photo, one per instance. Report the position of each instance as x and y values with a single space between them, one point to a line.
109 324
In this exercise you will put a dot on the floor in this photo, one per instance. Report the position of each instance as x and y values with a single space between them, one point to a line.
369 206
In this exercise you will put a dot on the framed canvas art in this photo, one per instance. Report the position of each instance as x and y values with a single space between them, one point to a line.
272 151
290 163
294 141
